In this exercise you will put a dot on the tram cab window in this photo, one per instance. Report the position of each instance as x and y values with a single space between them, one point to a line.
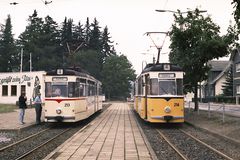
162 86
59 90
167 87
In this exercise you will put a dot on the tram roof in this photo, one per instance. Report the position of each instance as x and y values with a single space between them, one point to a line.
161 67
76 71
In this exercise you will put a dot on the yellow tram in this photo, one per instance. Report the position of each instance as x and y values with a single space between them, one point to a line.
71 95
159 93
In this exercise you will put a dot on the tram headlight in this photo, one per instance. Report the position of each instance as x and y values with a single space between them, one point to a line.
167 109
58 111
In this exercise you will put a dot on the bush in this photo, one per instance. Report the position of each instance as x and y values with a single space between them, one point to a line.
219 99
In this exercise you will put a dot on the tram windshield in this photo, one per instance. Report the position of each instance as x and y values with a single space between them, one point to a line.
56 90
165 87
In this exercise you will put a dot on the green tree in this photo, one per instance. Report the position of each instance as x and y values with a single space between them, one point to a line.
107 47
195 40
87 31
31 41
51 53
117 75
89 61
227 86
78 35
9 59
95 36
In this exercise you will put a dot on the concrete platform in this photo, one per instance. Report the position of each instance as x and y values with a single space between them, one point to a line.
113 135
10 121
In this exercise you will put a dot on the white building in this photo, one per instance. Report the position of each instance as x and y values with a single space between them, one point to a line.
12 84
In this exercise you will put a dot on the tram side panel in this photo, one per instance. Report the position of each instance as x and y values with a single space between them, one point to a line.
142 108
136 103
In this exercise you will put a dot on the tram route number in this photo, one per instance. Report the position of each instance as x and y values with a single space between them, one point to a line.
176 104
67 105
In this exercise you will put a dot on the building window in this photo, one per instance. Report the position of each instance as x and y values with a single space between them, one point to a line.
13 90
23 89
238 89
238 67
4 90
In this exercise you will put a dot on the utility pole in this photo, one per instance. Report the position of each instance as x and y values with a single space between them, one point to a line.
30 60
21 63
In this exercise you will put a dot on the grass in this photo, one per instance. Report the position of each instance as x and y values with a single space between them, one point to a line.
4 108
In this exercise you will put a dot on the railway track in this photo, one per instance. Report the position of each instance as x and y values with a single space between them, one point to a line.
28 145
38 145
188 147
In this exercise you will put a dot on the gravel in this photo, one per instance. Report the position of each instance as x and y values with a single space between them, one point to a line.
201 125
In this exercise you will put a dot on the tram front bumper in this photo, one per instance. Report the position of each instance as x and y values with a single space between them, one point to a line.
167 117
59 119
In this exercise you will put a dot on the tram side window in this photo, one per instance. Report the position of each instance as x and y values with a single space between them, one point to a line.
154 86
139 86
77 89
86 89
72 89
91 90
82 90
179 86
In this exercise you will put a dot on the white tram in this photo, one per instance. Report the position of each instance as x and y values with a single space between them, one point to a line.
71 95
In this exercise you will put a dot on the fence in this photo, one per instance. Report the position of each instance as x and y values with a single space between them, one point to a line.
222 108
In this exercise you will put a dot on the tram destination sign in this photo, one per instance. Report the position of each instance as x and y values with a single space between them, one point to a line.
166 75
59 79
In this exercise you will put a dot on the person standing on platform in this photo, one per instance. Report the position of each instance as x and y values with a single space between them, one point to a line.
22 106
38 108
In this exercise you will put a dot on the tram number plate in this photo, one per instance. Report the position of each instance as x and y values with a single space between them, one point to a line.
176 104
67 105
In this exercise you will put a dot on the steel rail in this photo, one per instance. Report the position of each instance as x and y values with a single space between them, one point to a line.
208 146
173 147
42 144
13 144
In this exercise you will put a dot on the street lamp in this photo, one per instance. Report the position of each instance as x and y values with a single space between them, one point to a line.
163 10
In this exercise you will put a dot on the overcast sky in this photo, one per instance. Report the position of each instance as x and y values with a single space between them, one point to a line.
127 20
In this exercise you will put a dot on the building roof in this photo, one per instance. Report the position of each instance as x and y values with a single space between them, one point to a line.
218 65
224 72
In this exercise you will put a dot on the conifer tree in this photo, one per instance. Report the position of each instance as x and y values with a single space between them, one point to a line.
8 51
95 36
227 86
87 31
107 47
31 41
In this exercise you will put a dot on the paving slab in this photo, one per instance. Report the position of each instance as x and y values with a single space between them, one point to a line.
113 135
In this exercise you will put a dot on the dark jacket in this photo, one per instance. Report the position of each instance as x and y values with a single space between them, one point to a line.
22 102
